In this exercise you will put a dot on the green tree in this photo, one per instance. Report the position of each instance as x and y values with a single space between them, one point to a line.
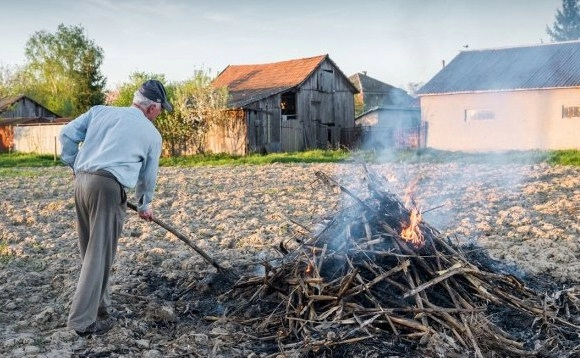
89 81
65 69
567 24
198 107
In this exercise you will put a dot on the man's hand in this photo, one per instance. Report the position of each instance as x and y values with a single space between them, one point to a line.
146 215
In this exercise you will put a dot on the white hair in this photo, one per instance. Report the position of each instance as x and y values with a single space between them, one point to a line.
141 100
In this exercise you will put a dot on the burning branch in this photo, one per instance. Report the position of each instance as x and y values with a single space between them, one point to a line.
384 272
412 232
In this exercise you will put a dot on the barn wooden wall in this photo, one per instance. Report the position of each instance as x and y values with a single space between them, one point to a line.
263 119
231 138
325 106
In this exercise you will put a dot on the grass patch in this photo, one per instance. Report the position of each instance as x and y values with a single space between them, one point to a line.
16 164
20 165
312 156
564 157
12 160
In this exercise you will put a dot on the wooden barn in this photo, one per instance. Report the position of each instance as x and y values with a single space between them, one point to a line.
286 106
515 98
27 126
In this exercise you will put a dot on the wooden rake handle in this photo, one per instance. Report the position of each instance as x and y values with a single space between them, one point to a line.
181 237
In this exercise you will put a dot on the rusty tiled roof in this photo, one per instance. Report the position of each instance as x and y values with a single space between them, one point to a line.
249 83
554 65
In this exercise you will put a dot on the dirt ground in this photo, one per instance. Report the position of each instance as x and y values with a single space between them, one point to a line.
523 214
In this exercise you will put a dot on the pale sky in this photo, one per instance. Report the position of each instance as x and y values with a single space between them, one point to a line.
394 41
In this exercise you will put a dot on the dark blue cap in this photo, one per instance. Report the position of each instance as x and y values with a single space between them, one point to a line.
155 91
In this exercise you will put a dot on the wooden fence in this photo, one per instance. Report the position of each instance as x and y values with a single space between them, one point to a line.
375 137
39 139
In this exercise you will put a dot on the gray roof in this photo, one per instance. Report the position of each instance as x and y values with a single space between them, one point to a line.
369 86
389 108
554 65
7 102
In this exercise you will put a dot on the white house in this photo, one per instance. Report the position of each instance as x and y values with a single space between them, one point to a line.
516 98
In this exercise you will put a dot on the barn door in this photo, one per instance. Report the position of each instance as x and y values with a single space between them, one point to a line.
327 136
292 135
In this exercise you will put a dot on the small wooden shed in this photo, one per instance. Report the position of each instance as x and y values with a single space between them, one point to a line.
391 127
27 126
285 106
389 117
374 93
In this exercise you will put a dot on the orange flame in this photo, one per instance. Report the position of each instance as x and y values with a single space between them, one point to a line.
412 233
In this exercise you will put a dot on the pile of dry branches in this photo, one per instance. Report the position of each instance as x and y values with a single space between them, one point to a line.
360 279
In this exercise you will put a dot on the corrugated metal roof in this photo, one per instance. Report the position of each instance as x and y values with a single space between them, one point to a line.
249 83
388 108
554 65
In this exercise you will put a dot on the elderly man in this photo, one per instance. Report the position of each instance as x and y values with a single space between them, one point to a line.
109 149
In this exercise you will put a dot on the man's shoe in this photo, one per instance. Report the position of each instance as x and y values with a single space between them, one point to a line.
97 328
103 313
106 313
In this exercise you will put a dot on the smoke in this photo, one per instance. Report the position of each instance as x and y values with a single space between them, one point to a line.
459 194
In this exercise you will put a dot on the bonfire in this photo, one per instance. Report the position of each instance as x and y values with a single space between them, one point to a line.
377 274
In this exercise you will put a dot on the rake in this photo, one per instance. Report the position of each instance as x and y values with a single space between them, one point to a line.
230 274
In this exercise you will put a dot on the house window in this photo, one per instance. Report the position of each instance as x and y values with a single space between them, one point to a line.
478 115
288 105
570 111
